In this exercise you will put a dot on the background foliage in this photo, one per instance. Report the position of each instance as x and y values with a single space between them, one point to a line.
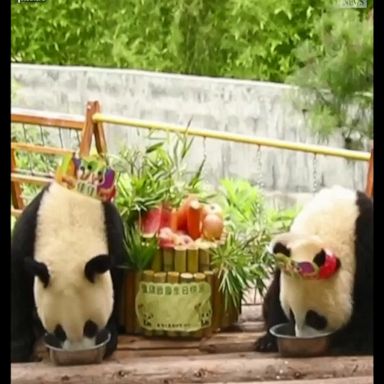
231 38
336 76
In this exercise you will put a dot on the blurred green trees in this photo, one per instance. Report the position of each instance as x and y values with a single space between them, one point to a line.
230 38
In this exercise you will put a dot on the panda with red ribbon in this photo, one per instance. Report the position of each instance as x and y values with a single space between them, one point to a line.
324 276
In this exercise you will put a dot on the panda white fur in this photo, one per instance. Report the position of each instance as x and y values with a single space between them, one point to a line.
336 221
65 247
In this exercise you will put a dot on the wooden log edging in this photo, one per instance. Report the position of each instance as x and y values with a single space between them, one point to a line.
343 380
246 367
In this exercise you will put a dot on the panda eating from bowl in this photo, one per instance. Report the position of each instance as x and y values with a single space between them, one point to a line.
65 247
324 279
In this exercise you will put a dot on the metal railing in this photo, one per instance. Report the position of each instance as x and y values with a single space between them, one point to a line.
233 137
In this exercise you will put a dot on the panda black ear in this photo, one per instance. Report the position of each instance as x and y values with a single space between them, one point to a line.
97 265
37 269
281 248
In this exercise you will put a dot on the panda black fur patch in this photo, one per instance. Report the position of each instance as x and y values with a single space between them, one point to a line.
316 321
37 269
319 259
60 333
97 265
281 248
90 329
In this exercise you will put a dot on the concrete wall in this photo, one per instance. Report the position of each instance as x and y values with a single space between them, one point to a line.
248 107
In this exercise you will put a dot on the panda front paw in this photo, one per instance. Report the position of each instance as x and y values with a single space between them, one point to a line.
266 343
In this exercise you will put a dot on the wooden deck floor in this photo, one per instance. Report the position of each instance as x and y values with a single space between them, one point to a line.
224 358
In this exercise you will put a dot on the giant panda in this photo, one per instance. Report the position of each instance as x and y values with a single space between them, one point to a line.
334 231
64 252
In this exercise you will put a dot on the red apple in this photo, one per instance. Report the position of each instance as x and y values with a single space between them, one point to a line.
213 226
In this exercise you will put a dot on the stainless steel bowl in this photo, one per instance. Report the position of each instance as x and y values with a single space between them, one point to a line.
92 355
291 346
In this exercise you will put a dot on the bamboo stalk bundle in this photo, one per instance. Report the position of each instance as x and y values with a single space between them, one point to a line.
186 277
209 276
198 277
192 259
172 278
137 279
159 277
157 262
204 258
148 276
168 259
180 259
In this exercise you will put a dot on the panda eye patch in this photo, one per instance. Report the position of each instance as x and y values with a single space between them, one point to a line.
319 259
281 248
89 167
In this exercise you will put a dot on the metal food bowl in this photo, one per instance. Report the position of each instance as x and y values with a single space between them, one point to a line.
92 355
292 346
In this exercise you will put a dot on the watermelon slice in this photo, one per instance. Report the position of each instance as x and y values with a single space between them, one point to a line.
166 217
150 221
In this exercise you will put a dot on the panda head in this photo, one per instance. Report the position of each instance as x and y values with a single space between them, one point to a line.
74 307
304 255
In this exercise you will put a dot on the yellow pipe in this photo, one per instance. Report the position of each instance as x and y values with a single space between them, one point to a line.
234 137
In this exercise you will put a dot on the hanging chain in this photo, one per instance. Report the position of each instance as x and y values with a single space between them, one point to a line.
315 175
259 168
78 138
205 148
61 138
44 158
29 153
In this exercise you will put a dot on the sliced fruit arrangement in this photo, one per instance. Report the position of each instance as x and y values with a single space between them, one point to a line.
193 222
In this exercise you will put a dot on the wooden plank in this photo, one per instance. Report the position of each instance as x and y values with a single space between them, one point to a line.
48 119
100 142
40 149
230 343
88 129
30 179
342 380
195 369
221 340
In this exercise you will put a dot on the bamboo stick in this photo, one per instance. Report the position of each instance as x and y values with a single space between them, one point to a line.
209 276
204 258
148 276
192 259
217 303
157 262
180 259
168 259
186 277
198 277
136 327
160 277
172 278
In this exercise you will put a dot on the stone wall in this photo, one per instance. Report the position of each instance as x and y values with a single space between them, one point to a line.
247 107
